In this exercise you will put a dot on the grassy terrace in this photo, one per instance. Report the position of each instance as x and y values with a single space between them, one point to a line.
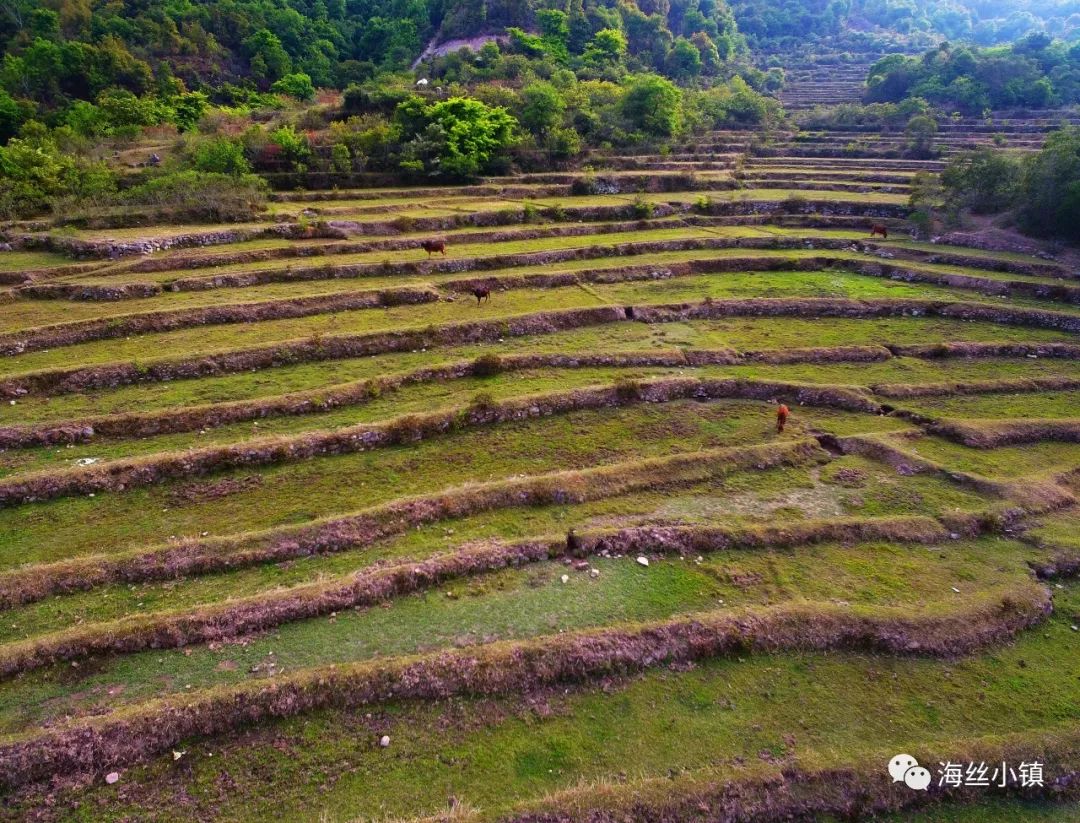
312 377
145 349
716 718
301 492
879 587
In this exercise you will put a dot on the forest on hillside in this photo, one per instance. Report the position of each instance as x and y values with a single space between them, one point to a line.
773 23
1037 72
64 50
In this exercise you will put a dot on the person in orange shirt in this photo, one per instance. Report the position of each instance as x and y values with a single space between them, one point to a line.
782 413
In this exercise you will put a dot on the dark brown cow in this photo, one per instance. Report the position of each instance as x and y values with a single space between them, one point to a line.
481 293
432 246
877 228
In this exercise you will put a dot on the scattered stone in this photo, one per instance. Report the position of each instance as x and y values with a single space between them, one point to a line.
384 741
112 777
594 573
565 578
643 560
177 755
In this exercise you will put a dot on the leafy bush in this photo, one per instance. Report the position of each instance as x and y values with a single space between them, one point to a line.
220 156
1035 73
296 85
627 390
1049 190
487 365
643 209
984 180
205 196
294 147
457 138
35 175
652 105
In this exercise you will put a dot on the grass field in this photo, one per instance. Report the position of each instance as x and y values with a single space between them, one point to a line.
295 527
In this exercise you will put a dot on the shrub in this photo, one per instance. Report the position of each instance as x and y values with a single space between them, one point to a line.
487 365
203 196
643 209
293 147
793 204
407 429
983 180
220 156
35 176
584 185
295 85
457 138
564 143
482 401
188 109
627 389
340 158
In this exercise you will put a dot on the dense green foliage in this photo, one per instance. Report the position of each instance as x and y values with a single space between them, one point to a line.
455 137
35 172
1035 72
539 123
983 21
77 50
1043 188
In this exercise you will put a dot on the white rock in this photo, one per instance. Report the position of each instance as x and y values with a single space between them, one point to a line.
594 573
384 741
177 755
643 561
956 589
112 777
565 578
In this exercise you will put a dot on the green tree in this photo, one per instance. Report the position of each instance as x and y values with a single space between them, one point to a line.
555 33
683 62
220 156
188 109
266 56
607 48
294 146
921 130
296 85
542 108
1050 187
13 113
35 175
983 180
652 105
459 137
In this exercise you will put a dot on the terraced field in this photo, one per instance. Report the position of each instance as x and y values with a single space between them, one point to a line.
294 526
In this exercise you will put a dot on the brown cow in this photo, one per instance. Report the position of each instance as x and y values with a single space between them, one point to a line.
481 293
432 246
877 228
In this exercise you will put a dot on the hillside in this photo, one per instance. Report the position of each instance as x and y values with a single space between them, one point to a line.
656 412
301 521
55 53
909 23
